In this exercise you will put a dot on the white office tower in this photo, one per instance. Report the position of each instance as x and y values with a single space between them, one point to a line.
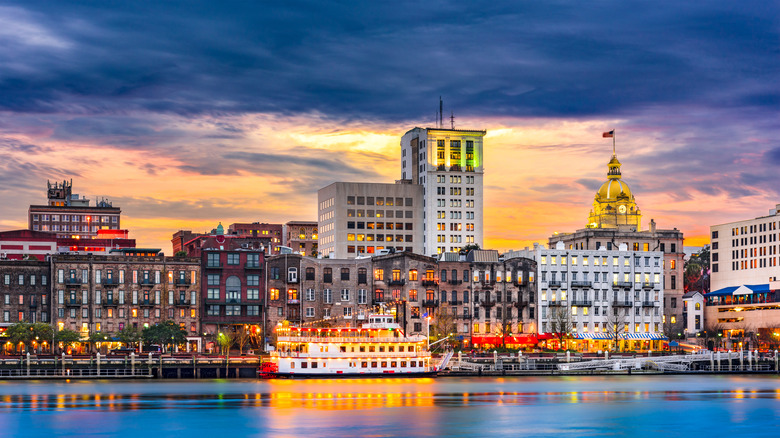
448 164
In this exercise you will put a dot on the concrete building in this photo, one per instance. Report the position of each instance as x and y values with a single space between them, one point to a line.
615 219
693 313
302 237
67 215
744 305
591 292
448 164
357 219
96 293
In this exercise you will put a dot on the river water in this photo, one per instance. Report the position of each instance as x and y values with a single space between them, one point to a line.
623 406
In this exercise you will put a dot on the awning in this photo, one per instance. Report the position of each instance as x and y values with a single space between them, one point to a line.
591 336
740 290
496 340
644 336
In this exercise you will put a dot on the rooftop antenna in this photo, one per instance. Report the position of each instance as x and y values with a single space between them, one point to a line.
441 111
452 120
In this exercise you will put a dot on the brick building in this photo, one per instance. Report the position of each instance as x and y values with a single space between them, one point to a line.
25 292
301 237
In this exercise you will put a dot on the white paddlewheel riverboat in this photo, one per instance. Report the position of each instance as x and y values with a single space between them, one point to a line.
378 348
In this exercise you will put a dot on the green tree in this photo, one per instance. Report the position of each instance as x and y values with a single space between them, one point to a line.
164 333
696 275
225 340
97 338
21 333
42 332
180 254
129 336
67 337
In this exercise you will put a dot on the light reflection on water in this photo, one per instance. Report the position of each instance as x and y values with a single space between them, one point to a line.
536 406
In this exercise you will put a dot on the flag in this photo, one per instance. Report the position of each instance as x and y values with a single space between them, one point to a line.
609 134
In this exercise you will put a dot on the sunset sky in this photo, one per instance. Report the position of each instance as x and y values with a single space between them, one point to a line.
186 114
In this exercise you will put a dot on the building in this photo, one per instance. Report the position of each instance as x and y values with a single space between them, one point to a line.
268 236
744 305
20 244
357 219
233 283
448 164
693 313
284 290
335 292
99 293
615 219
25 291
597 296
67 215
301 237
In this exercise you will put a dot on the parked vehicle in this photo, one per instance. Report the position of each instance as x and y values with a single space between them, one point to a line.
122 351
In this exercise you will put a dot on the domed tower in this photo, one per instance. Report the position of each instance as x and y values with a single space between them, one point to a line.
614 205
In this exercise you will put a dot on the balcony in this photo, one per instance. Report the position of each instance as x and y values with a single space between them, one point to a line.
73 282
72 303
146 303
619 303
554 283
581 284
429 282
252 267
466 316
455 282
455 303
441 167
110 303
582 303
214 266
146 281
519 283
487 303
621 285
238 301
455 167
557 303
33 304
109 282
520 304
399 282
651 304
295 280
291 301
182 282
430 303
182 303
648 285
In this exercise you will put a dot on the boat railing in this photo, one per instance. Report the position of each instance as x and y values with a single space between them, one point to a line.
354 355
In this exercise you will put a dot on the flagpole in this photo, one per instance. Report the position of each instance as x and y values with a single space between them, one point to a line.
614 133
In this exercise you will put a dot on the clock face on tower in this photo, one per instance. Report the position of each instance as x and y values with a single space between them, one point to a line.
622 209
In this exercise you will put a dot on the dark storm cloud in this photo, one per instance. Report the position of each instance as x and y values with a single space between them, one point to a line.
389 61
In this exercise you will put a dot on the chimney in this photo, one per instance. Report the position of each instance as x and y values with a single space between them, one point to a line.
652 225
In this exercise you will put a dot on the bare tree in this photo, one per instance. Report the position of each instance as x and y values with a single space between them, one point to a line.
560 324
242 337
616 327
442 324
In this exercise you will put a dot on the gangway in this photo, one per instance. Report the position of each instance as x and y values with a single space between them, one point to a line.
661 363
445 360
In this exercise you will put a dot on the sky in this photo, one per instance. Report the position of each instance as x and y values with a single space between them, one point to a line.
186 114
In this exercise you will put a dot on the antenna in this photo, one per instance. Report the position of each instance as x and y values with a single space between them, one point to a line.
441 111
452 120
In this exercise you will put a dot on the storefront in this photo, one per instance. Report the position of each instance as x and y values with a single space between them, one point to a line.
510 341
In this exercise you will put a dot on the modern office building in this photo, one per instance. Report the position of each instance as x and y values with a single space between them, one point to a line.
68 215
615 219
357 219
448 164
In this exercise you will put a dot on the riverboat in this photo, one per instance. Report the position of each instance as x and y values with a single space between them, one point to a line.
378 348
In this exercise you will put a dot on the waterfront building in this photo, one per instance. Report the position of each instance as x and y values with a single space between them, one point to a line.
596 296
693 313
615 219
265 235
99 293
448 164
283 285
68 215
743 305
20 244
25 291
357 219
301 237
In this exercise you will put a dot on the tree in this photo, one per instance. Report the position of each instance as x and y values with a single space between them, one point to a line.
225 340
442 324
697 271
673 328
164 333
469 247
129 335
616 326
67 337
242 336
560 324
20 333
180 254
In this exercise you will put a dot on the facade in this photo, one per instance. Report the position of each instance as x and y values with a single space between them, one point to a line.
233 284
25 291
301 237
67 215
18 244
359 219
746 315
590 292
448 164
267 236
745 252
615 220
284 290
693 313
95 293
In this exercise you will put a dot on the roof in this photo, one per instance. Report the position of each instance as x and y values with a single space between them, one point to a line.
449 257
691 294
740 290
483 256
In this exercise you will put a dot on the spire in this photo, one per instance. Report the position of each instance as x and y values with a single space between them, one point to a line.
613 168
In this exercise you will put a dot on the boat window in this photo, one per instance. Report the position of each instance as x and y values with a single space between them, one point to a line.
304 364
401 348
373 364
414 363
403 364
362 348
371 348
363 364
384 364
343 348
314 364
394 364
381 348
391 348
292 364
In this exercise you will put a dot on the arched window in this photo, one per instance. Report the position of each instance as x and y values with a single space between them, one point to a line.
233 289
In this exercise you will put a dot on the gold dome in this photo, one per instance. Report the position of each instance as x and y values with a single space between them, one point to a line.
614 204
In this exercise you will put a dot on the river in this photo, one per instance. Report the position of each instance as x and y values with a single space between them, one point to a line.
624 406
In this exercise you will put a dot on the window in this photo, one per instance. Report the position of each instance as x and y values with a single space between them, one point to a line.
212 293
310 274
233 258
327 275
310 312
253 294
327 296
253 280
212 280
344 274
253 260
362 276
362 296
212 260
344 294
274 293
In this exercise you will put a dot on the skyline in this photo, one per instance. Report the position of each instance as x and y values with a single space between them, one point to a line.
182 116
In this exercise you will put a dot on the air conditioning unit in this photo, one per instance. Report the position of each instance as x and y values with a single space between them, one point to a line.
3 255
245 245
